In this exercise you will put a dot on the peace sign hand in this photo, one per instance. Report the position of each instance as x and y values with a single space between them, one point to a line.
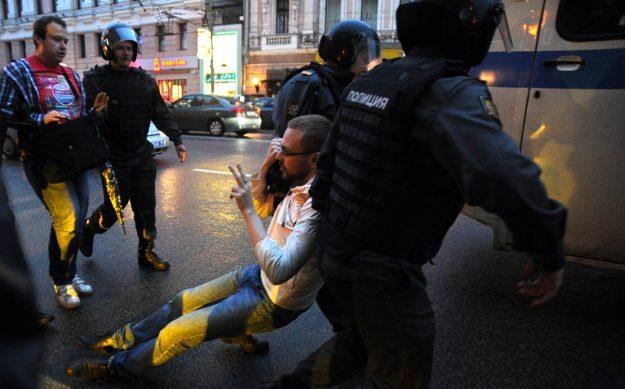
242 192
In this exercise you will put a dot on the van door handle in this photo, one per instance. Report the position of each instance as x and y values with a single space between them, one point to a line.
565 63
556 62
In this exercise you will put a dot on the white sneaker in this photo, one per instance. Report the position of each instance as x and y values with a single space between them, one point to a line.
66 296
81 286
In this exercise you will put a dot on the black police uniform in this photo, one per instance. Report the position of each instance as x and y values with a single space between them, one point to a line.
313 89
134 101
413 141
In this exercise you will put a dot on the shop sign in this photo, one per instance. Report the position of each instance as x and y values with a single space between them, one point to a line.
223 77
158 64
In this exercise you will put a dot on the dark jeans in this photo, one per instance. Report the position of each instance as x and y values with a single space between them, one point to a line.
137 185
67 203
392 325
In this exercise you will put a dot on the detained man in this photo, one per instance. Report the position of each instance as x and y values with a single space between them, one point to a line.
259 298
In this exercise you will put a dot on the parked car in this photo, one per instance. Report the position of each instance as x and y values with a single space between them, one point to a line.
215 114
265 111
159 140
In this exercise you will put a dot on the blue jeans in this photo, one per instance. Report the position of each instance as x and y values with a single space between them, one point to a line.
233 305
67 203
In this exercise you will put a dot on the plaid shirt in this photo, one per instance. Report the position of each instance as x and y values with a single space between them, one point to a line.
19 96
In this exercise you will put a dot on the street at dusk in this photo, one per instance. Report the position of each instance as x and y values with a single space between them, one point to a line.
486 336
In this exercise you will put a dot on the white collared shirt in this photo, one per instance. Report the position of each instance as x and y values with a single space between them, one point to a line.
289 271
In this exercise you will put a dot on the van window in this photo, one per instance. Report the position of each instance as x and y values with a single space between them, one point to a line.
583 20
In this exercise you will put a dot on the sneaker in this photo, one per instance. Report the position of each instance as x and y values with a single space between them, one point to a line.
100 344
81 286
249 344
90 369
66 296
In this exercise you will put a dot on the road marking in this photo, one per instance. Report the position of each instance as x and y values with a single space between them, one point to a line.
210 138
212 172
215 172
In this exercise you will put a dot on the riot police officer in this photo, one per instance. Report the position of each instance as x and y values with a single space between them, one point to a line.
415 139
134 101
347 49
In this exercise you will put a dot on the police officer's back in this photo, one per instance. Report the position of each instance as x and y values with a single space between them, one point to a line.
414 139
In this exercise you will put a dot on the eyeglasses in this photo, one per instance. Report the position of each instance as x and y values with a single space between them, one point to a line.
290 154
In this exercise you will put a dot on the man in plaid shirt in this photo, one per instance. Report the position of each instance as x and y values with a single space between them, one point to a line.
37 93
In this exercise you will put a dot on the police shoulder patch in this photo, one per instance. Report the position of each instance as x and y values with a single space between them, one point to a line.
292 109
489 107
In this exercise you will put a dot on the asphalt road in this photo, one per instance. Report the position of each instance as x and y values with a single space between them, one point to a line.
486 336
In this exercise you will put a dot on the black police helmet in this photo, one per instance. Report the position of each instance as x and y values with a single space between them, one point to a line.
113 35
345 40
457 29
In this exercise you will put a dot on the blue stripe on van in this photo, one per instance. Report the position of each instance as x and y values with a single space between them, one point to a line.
604 69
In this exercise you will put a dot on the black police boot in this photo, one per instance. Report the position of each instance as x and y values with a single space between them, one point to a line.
44 318
147 257
90 229
249 344
90 369
100 344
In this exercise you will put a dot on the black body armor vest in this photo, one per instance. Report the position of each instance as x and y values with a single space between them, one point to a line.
388 191
129 109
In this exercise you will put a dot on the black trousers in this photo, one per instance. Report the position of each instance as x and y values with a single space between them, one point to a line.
391 325
137 185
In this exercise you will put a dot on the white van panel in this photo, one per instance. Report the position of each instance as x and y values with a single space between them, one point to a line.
581 146
570 120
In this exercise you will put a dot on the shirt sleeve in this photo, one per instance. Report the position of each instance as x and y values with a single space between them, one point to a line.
17 112
263 201
492 173
162 117
280 264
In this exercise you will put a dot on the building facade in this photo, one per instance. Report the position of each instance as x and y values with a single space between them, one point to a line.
283 34
248 46
167 32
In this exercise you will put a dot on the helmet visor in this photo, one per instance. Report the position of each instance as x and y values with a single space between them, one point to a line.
121 34
367 50
501 21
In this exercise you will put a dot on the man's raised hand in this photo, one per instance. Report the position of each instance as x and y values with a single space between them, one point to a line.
242 192
100 103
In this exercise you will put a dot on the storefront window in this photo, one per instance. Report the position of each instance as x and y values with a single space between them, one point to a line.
172 90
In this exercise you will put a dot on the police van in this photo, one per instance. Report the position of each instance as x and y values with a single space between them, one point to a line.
561 96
